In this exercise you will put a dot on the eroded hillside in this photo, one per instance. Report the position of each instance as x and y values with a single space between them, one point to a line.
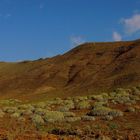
88 68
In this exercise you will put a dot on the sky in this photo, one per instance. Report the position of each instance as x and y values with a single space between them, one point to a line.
33 29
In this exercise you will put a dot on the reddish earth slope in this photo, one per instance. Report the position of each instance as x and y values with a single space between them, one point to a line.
85 69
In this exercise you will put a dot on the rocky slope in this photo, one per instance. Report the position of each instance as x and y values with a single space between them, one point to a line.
88 68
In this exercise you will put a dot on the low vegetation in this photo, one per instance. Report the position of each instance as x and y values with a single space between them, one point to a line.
105 107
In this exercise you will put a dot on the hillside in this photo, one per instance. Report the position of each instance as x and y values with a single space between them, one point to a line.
88 68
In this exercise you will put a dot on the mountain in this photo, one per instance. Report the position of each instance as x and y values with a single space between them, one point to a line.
88 68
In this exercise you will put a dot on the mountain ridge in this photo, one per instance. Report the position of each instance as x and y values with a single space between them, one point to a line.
88 68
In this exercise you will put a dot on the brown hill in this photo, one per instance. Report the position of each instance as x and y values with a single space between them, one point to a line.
88 68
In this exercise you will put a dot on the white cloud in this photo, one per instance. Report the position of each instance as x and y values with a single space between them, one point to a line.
132 24
77 40
116 36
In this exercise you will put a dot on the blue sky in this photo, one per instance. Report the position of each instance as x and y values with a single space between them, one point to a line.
31 29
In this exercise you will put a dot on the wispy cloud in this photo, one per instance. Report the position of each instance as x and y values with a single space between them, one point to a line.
132 24
116 36
76 40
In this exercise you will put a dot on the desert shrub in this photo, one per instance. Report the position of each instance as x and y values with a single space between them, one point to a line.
23 106
26 106
107 118
57 101
80 98
104 111
52 116
99 111
10 102
128 104
63 109
100 104
15 115
135 91
57 98
47 102
69 114
15 101
123 96
82 105
90 97
69 104
19 111
112 94
134 97
116 113
40 111
72 119
105 95
122 100
40 105
87 129
119 101
114 102
102 137
88 118
121 91
65 132
48 108
37 119
9 109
